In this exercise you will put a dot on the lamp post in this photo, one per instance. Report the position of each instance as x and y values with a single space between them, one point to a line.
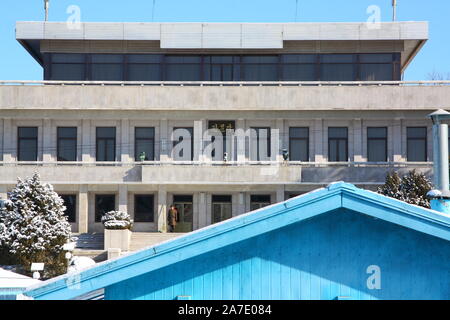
441 196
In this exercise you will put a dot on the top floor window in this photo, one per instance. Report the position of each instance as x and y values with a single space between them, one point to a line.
27 144
220 67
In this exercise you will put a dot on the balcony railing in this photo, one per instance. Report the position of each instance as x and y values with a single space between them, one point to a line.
227 83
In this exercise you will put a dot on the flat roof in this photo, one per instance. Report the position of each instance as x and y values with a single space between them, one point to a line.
223 35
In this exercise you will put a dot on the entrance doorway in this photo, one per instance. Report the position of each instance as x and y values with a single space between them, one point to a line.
221 208
185 212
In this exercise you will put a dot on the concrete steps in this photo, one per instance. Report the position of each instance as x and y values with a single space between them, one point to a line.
141 240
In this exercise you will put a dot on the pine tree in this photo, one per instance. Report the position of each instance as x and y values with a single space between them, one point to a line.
33 227
411 188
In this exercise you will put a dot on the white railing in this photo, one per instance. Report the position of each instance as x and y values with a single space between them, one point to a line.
226 83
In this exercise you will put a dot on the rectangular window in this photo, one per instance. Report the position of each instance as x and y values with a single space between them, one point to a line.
106 144
70 202
220 68
337 144
377 144
143 208
185 151
259 201
338 67
107 67
67 144
104 203
184 205
259 68
221 208
67 66
260 144
299 67
182 68
144 67
144 143
416 144
299 144
27 144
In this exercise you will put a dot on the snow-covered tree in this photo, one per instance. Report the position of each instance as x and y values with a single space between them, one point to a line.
411 188
33 227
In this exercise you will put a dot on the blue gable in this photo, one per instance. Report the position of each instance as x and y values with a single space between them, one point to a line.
316 246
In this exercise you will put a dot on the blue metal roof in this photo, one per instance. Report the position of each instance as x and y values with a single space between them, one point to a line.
335 196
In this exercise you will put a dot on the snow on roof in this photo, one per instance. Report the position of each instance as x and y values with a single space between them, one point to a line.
9 279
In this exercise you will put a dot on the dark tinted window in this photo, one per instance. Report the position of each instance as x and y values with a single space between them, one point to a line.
259 201
145 142
143 208
221 208
299 144
106 144
259 68
337 144
67 143
377 144
70 202
104 204
27 144
260 144
107 67
417 144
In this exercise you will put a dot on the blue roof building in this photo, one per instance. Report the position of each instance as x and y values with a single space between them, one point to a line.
333 243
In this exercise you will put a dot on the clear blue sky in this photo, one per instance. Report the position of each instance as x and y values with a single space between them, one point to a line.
16 64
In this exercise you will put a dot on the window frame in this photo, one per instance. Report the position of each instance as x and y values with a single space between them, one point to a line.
291 139
62 196
136 155
385 140
19 139
425 139
150 214
97 139
58 140
338 139
97 218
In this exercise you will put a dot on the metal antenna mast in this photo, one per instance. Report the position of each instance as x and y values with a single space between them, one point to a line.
46 5
394 10
153 10
296 10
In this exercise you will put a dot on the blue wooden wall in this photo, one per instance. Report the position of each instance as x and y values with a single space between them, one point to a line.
320 258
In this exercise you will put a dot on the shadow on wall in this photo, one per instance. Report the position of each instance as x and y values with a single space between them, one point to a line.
321 258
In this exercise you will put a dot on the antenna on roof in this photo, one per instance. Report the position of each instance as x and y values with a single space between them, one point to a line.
46 5
153 10
394 10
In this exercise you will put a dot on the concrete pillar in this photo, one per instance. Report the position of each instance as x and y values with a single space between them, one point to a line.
319 134
87 142
7 140
83 219
162 209
165 141
202 210
198 140
125 154
358 155
123 198
48 148
241 203
240 140
397 139
280 194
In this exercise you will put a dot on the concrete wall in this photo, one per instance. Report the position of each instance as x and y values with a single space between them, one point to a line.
322 259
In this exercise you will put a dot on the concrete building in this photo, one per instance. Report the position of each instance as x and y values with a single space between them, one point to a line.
329 94
344 243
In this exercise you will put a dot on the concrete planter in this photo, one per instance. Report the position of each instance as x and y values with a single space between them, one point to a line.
117 239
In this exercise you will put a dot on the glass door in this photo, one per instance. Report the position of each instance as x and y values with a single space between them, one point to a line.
185 212
221 208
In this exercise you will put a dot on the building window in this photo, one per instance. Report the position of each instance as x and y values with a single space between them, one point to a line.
259 201
182 68
416 144
299 67
221 208
338 67
70 202
184 205
376 67
104 203
106 144
299 144
143 208
221 68
259 68
222 126
107 67
144 142
181 134
67 144
377 144
27 144
68 66
144 67
337 144
260 144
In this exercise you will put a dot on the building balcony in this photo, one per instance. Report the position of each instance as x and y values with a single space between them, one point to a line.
220 173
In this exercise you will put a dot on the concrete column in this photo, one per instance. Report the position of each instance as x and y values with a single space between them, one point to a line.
280 194
83 209
241 203
125 154
162 209
358 155
202 212
319 134
7 140
278 142
198 140
240 141
48 148
397 139
87 142
123 198
165 141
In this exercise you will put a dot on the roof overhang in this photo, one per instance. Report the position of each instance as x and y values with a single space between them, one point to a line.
227 36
